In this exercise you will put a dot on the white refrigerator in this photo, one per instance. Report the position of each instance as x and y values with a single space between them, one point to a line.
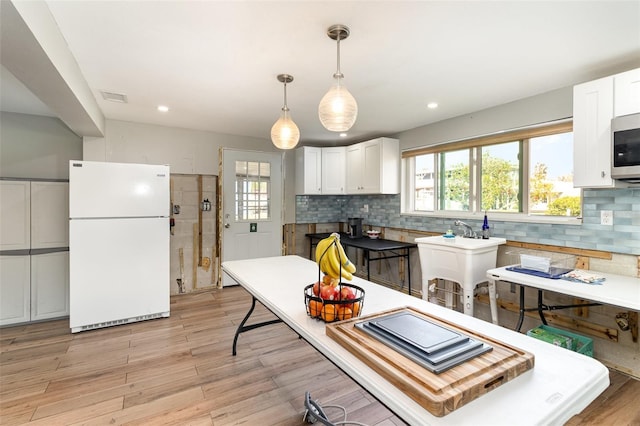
118 243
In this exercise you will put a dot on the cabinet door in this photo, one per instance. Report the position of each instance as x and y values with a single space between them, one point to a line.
49 285
626 98
15 220
371 166
49 214
592 114
353 173
333 170
308 171
14 289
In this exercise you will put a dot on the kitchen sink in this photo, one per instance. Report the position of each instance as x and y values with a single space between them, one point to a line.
459 259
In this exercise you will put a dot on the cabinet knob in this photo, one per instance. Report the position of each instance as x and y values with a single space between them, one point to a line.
602 174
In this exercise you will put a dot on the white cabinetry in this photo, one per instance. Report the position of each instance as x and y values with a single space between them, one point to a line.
592 114
354 168
595 103
49 214
308 171
373 167
333 170
15 201
49 285
626 93
320 171
14 289
34 224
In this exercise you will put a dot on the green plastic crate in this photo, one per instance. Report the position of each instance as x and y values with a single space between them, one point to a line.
581 344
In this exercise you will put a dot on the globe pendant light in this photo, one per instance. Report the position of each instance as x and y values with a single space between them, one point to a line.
284 133
338 109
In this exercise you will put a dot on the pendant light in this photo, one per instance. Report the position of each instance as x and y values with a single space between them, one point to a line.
338 109
284 133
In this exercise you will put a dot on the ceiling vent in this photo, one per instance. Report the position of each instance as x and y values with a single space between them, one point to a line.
114 97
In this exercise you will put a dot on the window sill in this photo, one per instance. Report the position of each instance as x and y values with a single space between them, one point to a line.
495 216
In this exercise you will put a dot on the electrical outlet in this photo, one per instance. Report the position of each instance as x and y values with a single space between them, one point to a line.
606 217
365 208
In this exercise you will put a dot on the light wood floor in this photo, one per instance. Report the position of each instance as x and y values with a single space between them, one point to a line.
179 370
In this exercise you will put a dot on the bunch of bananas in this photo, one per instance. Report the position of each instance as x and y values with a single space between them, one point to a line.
330 256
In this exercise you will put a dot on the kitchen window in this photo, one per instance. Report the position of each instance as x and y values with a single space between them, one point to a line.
526 173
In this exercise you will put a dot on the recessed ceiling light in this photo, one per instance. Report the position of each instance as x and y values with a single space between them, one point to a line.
163 108
343 135
432 105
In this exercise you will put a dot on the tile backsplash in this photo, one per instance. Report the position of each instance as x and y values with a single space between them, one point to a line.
384 210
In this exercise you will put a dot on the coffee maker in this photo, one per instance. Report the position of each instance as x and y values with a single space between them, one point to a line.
355 227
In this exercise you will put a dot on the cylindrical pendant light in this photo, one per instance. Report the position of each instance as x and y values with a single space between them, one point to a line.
338 109
284 133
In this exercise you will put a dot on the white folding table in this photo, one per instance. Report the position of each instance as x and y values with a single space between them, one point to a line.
616 290
561 384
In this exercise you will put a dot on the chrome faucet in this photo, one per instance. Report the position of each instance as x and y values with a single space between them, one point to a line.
468 231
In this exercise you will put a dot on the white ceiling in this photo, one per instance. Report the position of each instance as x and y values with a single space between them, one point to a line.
214 63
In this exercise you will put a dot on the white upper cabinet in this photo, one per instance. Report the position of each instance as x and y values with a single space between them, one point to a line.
308 171
626 93
333 170
592 114
373 167
49 214
595 104
15 216
320 171
353 174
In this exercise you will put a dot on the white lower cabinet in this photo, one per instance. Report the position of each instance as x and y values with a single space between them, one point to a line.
15 291
49 285
34 287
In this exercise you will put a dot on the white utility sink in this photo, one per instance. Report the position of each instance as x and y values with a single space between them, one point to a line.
458 259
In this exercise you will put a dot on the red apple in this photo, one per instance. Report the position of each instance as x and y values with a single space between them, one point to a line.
316 288
347 294
328 292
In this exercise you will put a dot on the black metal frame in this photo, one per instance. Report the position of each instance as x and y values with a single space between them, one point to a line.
543 307
242 328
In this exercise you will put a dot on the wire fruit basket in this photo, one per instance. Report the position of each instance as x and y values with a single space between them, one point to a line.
327 310
329 299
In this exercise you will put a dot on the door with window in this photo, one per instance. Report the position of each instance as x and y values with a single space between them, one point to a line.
251 208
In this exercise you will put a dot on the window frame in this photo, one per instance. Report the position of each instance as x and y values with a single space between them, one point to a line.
523 135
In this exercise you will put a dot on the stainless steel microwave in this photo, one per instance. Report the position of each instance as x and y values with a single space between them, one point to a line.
625 140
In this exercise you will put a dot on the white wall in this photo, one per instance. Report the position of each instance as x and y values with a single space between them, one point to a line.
550 106
36 147
186 151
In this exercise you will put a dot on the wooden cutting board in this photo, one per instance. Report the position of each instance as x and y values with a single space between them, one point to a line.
441 393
